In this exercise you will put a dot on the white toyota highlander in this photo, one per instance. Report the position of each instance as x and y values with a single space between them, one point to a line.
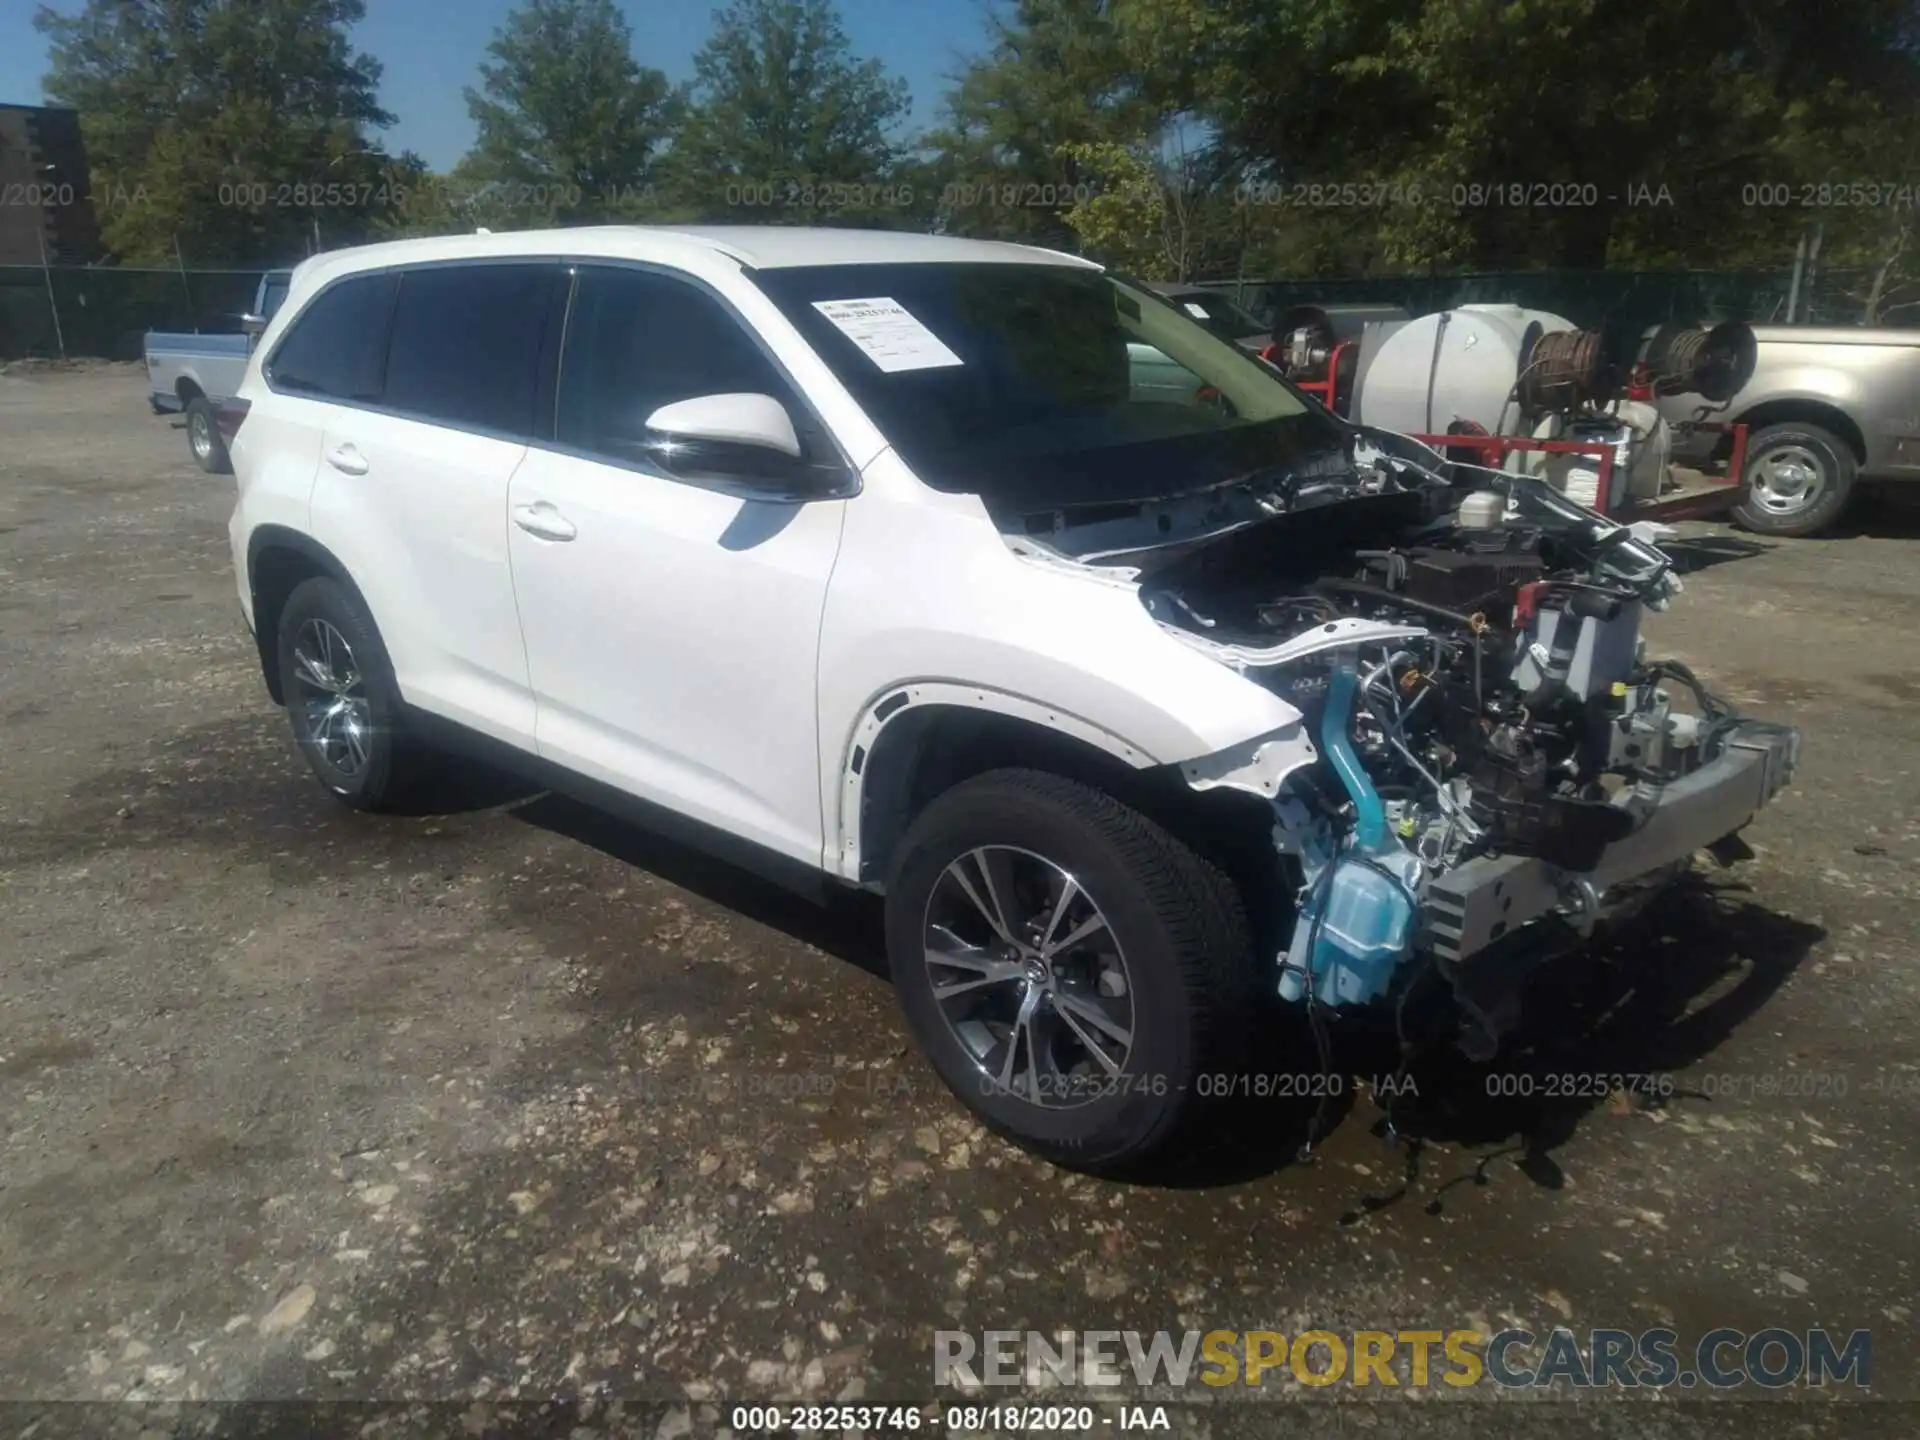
1154 698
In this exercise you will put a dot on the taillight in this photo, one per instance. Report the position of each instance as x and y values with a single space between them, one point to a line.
228 414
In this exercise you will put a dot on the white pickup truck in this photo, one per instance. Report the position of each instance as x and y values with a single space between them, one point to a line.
190 374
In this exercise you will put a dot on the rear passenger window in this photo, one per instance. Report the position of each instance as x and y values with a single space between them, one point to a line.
333 349
467 344
637 341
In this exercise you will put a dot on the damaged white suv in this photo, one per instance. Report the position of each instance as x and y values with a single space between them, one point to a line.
1142 688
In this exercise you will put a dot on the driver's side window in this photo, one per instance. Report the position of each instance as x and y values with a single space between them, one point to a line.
637 340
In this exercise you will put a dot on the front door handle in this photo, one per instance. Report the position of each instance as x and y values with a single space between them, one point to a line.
347 460
543 520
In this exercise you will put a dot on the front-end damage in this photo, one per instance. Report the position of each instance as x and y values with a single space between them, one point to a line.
1488 763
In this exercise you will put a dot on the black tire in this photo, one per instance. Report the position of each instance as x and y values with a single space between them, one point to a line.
204 441
1831 459
1177 921
392 760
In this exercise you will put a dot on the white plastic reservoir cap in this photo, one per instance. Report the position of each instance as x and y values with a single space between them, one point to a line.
1482 510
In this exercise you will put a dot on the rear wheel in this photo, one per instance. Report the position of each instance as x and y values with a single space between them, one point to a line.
1075 973
341 698
203 438
1798 479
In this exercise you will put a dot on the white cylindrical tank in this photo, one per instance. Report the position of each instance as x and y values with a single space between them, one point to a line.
1459 364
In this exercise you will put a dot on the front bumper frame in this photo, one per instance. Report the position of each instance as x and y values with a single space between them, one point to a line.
1483 901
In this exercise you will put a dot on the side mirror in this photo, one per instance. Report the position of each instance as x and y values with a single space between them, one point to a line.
744 438
748 420
253 326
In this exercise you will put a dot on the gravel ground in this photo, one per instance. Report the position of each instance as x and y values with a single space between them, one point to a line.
506 1101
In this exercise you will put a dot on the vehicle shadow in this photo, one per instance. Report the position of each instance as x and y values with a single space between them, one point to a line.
1693 553
845 924
1605 1027
1879 512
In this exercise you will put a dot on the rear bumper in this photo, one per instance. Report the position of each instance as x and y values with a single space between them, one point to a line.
1484 901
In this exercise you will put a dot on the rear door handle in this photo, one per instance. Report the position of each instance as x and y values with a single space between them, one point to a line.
543 520
347 460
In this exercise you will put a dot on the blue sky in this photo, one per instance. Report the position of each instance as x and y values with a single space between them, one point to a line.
431 48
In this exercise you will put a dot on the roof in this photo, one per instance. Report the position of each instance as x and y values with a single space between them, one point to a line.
760 247
771 247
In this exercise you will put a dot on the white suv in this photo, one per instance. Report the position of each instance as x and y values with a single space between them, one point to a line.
897 562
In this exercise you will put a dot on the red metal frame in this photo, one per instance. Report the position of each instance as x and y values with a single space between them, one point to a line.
1496 448
1325 391
1720 494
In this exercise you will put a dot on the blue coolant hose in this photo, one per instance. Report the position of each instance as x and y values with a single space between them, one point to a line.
1370 814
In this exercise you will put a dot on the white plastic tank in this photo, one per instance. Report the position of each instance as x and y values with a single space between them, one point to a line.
1642 450
1459 364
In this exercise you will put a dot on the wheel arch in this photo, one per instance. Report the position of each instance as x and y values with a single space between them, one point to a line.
1805 410
920 739
188 390
279 559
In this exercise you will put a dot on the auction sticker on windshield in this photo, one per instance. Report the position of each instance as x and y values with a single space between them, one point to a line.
887 333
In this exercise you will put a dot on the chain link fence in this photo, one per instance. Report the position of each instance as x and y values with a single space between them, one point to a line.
1592 298
101 312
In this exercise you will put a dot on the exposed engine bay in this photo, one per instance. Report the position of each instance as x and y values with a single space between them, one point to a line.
1495 747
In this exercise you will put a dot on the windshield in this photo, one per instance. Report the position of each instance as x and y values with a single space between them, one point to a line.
1219 314
1045 384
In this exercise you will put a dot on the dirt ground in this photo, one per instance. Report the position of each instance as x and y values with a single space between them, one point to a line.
513 1102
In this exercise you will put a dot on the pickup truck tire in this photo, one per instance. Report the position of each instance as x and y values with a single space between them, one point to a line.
1082 1028
203 438
341 698
1798 479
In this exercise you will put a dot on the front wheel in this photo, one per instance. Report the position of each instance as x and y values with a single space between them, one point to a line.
203 438
1798 479
1075 973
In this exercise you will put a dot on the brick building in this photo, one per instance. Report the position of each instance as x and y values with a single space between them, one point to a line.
45 191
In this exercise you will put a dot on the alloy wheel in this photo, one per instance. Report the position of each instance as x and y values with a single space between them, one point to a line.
1029 977
337 715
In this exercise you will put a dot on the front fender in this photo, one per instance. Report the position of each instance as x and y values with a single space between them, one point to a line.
927 597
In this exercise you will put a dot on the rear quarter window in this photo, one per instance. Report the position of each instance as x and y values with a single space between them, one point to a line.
333 349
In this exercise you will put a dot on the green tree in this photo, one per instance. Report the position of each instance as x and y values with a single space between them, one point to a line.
569 123
1629 134
1013 155
784 124
223 130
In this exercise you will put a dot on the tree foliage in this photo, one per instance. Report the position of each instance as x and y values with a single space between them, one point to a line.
1024 121
1558 132
783 123
1190 138
221 130
569 124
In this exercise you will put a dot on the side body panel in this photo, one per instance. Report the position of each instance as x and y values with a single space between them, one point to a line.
927 591
423 531
215 365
